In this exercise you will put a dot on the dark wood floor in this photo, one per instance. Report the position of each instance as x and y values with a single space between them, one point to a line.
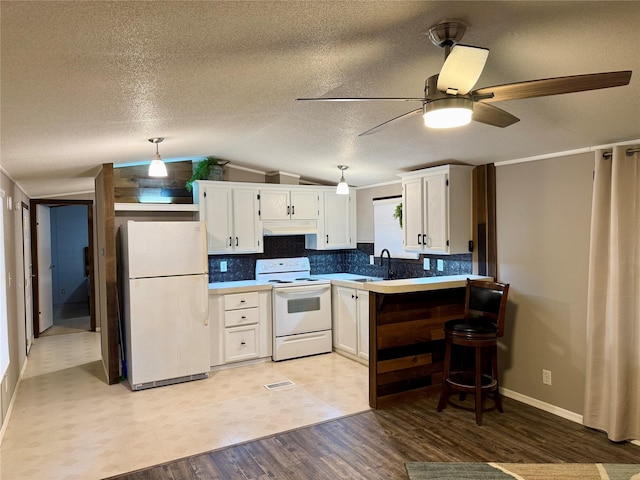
375 445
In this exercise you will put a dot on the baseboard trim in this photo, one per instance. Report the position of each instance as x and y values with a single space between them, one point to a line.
5 421
547 407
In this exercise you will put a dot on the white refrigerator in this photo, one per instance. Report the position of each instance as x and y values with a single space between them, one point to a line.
165 289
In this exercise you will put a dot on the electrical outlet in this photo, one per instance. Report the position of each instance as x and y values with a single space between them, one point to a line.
546 377
372 260
223 266
426 264
440 265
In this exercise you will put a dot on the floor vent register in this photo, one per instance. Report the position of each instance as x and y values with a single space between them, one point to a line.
277 385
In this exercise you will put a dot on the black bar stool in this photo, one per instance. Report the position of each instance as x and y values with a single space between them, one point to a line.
477 333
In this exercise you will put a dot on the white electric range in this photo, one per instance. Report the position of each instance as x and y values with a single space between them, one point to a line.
301 307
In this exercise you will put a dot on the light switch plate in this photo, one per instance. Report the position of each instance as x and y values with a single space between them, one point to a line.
440 265
371 260
223 265
426 264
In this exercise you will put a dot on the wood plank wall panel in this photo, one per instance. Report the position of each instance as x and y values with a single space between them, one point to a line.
107 263
131 184
485 261
406 338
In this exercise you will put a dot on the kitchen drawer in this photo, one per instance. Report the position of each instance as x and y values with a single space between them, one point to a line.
240 343
233 301
243 316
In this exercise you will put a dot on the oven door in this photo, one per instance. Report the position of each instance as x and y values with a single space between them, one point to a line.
301 309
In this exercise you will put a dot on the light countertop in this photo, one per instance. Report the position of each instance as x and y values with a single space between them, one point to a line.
401 285
374 284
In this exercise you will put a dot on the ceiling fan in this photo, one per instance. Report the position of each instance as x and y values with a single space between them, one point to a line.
449 100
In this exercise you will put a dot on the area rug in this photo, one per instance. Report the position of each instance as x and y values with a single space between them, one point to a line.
522 471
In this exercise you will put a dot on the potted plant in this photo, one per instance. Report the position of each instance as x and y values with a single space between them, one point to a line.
397 213
211 168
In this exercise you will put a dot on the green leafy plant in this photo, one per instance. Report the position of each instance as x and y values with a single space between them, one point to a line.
397 213
202 170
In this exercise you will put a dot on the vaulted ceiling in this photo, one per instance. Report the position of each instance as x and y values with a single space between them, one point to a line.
87 83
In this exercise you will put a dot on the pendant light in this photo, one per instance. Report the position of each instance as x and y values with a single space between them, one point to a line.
343 186
157 168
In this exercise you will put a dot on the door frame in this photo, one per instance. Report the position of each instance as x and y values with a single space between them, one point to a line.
34 257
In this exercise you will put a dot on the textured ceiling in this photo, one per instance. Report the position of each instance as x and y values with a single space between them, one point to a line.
86 83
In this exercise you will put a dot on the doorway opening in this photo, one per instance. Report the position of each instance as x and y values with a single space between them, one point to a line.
63 277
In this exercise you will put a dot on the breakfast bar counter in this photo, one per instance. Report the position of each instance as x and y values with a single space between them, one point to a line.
406 334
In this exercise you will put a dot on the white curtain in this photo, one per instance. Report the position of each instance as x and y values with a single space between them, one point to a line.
612 395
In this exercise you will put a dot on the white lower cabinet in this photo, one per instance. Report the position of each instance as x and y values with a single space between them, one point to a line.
240 326
351 322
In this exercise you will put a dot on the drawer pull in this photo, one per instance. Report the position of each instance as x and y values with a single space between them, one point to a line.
242 343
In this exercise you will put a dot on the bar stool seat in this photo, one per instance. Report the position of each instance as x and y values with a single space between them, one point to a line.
476 333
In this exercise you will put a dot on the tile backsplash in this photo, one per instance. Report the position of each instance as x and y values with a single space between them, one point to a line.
242 267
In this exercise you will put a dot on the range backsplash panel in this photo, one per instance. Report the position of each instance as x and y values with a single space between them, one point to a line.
242 267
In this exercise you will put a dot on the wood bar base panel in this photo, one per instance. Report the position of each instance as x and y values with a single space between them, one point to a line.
406 338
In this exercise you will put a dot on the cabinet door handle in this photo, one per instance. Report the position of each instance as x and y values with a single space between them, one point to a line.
230 241
288 210
419 239
236 241
293 209
353 296
424 239
327 238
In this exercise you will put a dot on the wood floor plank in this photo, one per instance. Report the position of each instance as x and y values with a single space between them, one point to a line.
375 445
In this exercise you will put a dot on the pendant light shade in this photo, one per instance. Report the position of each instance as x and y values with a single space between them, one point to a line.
343 186
448 112
157 168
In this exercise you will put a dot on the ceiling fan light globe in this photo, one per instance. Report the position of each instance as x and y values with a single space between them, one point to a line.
448 113
157 168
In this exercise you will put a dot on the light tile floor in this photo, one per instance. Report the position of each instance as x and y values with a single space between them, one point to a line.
67 423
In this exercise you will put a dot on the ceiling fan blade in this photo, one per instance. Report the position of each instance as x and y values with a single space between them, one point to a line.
552 86
400 117
461 69
485 113
362 99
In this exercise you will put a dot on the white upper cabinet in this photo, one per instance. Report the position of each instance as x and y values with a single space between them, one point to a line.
436 210
337 223
288 204
231 215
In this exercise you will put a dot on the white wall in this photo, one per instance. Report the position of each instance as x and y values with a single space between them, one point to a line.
543 222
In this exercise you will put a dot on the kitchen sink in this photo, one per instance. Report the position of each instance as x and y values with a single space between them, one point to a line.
368 279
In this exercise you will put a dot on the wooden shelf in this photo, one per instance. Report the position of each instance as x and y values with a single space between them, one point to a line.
156 207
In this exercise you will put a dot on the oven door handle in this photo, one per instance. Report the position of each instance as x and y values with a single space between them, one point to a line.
302 290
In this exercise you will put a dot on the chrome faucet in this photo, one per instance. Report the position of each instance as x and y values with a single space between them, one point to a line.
389 272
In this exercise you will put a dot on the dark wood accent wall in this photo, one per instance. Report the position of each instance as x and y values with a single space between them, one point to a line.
406 338
485 261
131 184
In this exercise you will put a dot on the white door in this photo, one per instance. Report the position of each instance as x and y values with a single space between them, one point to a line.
437 208
412 214
246 222
218 214
304 205
45 293
336 220
346 324
363 323
28 293
274 205
167 328
166 248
